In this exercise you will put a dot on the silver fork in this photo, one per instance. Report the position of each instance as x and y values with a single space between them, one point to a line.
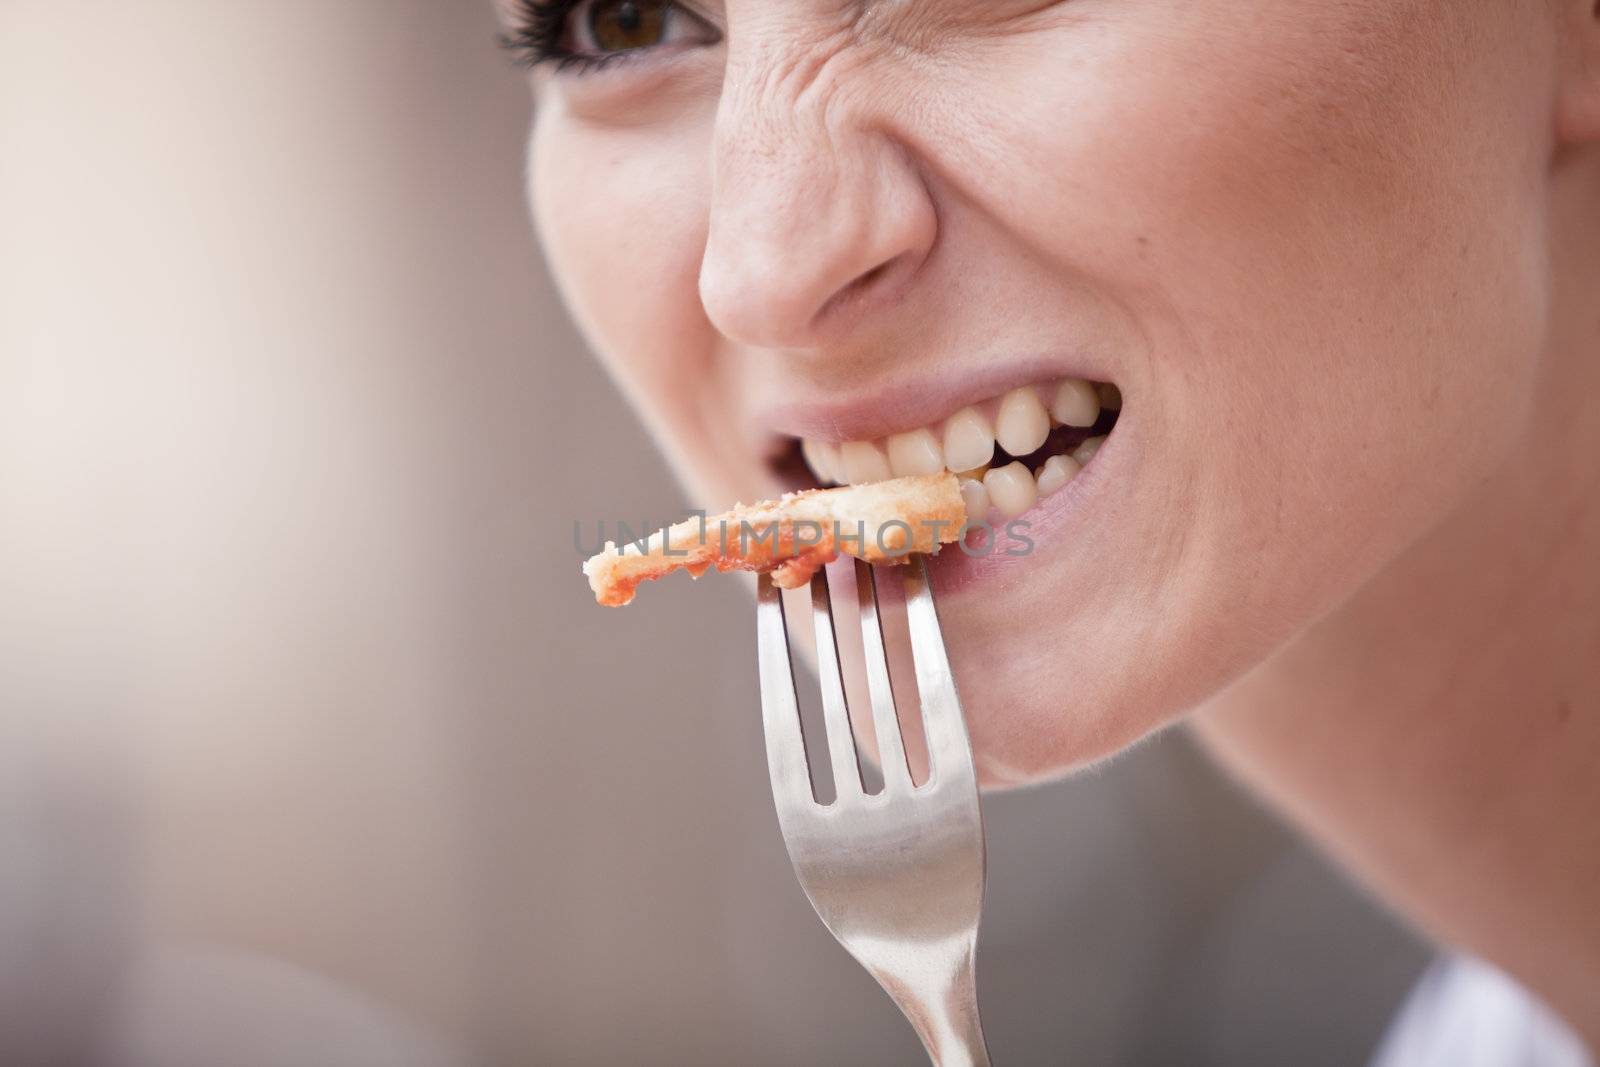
897 876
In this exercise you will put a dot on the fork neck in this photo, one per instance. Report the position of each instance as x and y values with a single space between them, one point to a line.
944 1014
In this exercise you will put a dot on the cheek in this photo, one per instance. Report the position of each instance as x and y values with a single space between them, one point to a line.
1337 281
621 216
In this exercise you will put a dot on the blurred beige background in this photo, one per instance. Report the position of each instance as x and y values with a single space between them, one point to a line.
313 748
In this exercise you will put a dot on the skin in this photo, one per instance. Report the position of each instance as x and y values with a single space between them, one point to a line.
1340 256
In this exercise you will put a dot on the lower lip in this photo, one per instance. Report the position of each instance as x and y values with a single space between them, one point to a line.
960 570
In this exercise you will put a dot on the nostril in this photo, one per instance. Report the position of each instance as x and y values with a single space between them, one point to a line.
858 288
871 276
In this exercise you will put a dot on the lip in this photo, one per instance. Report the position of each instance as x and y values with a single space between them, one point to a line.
956 572
916 398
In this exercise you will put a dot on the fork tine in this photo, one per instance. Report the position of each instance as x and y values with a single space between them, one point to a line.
780 709
835 712
885 723
949 751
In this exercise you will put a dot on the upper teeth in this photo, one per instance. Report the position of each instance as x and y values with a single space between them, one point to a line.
1023 423
968 440
1019 422
917 452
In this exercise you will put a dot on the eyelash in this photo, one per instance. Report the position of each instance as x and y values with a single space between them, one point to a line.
537 39
537 35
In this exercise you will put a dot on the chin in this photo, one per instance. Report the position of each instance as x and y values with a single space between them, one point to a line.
1056 694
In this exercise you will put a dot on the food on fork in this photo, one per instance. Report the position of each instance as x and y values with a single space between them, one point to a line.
791 537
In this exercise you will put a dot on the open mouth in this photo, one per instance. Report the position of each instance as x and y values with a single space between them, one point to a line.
1010 451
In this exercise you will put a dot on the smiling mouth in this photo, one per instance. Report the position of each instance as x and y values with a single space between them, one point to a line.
1010 451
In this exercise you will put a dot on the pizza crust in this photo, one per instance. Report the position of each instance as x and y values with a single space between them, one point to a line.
791 537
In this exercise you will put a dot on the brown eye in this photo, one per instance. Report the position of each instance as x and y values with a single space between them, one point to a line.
621 25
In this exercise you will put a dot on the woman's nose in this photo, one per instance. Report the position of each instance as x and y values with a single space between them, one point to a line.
812 208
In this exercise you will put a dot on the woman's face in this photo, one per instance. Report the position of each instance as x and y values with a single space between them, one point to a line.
1302 237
